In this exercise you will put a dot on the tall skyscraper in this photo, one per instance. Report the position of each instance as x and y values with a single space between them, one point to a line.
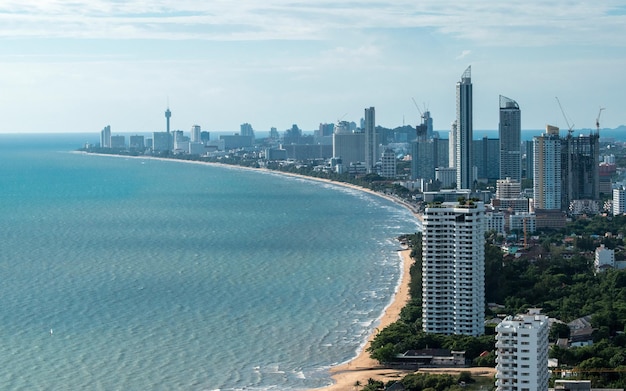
547 169
105 137
522 352
464 134
453 268
369 127
510 134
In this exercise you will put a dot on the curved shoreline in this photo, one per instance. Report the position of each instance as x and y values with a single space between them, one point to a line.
362 367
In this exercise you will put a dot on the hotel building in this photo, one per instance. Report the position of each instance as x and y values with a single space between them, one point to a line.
453 268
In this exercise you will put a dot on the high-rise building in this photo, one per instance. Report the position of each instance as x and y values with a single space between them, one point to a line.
369 128
427 156
452 146
246 130
388 164
347 145
118 142
105 137
486 158
464 133
161 141
528 159
196 133
137 142
510 134
453 268
205 137
547 170
619 201
428 121
522 353
580 171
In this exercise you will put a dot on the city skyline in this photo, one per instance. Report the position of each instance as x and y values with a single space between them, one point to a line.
75 67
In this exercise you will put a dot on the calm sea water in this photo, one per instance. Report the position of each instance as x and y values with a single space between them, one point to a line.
135 274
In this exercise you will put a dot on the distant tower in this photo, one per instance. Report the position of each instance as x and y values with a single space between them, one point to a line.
464 177
105 137
370 140
168 115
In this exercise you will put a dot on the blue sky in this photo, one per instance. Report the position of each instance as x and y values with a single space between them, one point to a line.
78 66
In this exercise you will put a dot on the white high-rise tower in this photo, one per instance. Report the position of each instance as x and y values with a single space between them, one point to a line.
453 268
522 352
464 133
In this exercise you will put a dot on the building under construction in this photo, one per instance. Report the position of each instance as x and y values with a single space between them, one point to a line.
579 165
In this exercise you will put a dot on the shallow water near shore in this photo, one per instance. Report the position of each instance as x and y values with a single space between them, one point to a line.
123 274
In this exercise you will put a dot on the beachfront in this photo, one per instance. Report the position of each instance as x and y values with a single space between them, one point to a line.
362 367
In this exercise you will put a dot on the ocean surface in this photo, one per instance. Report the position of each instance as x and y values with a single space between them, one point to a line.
137 274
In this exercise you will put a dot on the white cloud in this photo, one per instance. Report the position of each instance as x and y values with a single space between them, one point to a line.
529 23
463 54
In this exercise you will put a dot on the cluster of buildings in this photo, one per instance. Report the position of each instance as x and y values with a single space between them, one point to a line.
567 179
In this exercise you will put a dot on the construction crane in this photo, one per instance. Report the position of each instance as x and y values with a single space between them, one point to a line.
598 120
569 128
418 108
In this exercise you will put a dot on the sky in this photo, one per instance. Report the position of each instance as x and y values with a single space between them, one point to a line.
77 66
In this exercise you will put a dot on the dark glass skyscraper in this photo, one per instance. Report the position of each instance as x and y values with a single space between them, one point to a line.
510 131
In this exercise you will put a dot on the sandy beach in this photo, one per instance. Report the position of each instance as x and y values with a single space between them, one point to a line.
362 367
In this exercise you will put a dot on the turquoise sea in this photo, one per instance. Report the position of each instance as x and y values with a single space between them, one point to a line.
137 274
